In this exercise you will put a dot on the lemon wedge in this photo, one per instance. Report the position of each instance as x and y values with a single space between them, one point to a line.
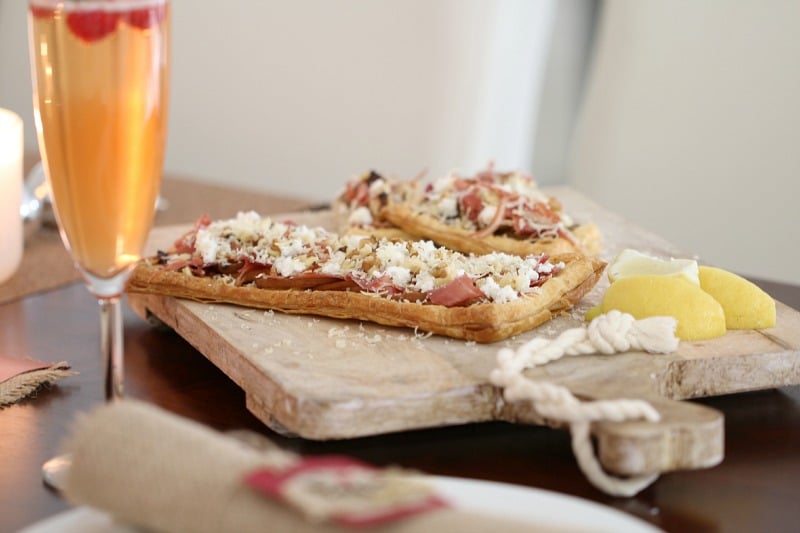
746 306
593 312
631 262
699 315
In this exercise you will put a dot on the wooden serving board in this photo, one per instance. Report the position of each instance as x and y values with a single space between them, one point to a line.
324 378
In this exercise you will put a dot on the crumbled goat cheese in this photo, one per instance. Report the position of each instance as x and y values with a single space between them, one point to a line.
448 207
487 214
289 266
415 266
361 216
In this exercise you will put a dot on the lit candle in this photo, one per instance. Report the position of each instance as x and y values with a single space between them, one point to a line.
10 193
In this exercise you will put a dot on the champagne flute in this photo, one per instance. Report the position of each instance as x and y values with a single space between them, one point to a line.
100 72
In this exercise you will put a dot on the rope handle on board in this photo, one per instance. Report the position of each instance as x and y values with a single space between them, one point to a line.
610 333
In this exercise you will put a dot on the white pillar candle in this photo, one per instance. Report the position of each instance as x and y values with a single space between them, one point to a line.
11 240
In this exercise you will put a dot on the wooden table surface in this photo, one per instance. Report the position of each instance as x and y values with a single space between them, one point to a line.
754 489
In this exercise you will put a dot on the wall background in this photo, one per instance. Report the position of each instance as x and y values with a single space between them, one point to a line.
689 126
295 97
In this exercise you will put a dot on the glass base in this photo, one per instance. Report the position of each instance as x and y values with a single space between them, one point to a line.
54 471
107 287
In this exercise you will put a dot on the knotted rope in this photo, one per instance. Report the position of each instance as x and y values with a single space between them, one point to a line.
613 332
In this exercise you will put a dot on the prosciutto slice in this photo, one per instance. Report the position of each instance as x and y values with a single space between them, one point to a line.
460 291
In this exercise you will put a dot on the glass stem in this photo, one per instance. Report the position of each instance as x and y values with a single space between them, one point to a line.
111 347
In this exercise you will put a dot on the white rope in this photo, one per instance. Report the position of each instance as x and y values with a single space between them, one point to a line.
610 333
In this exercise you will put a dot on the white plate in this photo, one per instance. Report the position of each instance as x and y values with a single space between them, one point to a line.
524 504
537 506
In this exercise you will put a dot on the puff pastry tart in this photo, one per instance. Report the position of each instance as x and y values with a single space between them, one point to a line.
491 211
262 263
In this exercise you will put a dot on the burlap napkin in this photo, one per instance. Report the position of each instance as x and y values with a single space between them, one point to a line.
153 469
46 264
19 377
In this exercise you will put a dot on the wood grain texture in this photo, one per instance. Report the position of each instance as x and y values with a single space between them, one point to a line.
336 379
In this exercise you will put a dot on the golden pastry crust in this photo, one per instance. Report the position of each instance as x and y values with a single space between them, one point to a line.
589 237
483 322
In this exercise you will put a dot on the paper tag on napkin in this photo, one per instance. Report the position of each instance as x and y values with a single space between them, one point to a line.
346 491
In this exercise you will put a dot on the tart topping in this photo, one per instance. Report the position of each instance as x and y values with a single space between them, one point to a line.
249 249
